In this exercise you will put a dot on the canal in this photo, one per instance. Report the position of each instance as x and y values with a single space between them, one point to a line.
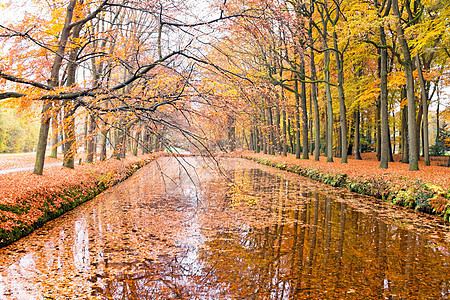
184 229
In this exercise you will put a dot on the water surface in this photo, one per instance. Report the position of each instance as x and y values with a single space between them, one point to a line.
182 231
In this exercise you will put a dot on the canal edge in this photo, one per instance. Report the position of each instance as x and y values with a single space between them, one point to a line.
419 196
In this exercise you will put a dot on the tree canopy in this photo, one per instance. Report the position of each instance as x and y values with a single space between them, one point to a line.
307 77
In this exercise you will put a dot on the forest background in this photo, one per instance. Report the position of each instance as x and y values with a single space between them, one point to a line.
308 77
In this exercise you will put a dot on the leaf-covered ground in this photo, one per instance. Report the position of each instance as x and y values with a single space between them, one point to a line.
26 160
26 200
22 160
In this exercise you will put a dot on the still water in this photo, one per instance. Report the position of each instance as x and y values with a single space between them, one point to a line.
182 230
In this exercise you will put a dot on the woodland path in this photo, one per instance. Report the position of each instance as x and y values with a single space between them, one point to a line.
17 162
27 168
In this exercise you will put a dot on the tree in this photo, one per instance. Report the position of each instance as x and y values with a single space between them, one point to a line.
322 8
408 66
141 75
382 13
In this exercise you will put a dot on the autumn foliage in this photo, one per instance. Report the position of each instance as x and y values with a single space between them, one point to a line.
29 200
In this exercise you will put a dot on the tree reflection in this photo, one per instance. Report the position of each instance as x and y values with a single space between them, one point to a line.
261 237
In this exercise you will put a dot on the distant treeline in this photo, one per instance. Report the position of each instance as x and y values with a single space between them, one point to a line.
17 132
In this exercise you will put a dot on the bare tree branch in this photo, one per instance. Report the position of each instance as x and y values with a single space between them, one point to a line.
7 95
24 81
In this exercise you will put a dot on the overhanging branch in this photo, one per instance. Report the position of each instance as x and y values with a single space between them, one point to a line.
25 81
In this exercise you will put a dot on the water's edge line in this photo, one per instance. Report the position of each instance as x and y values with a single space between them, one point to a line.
408 198
7 237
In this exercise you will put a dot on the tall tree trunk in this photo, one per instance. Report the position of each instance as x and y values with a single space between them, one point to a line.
103 137
394 133
329 128
252 139
271 133
438 130
378 129
61 132
297 120
232 134
264 131
253 136
69 128
123 137
136 143
418 126
151 143
390 152
91 140
404 132
42 140
291 138
277 139
314 97
69 135
54 82
54 153
357 135
310 126
413 153
342 109
385 139
86 131
424 97
257 139
103 145
351 136
325 17
305 153
339 134
144 144
120 141
284 133
244 139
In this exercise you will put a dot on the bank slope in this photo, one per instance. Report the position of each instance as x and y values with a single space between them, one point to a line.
27 201
430 194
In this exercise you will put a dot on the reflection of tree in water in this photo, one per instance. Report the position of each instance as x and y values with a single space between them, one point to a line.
81 246
331 251
147 240
313 248
168 278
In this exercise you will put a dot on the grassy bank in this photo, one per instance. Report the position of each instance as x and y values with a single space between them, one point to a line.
28 201
392 187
